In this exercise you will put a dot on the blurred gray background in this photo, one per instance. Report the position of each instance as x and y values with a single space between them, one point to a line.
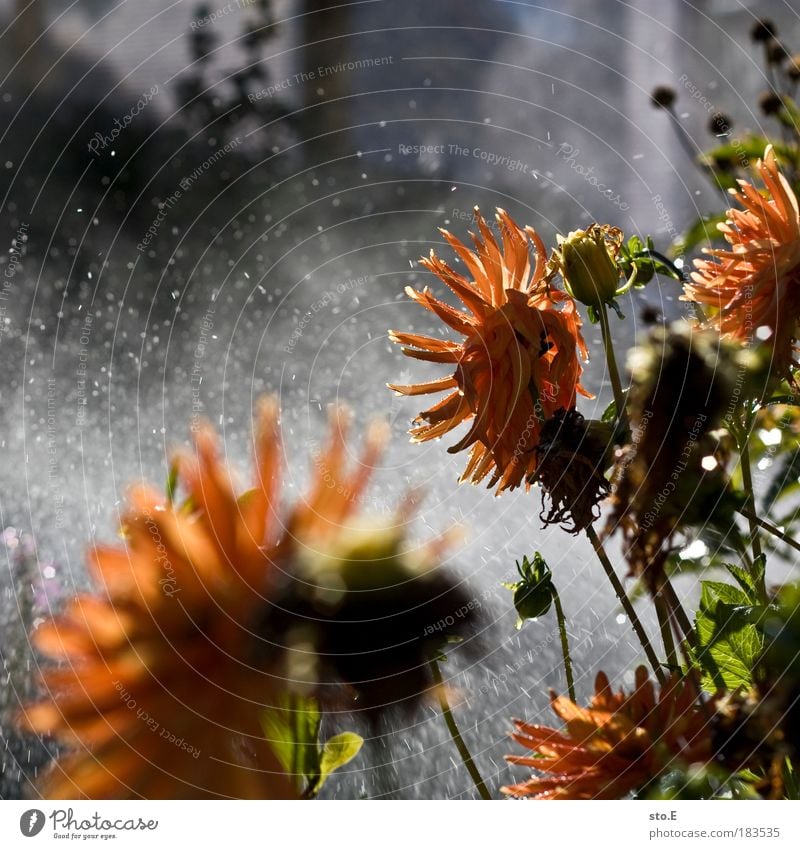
292 215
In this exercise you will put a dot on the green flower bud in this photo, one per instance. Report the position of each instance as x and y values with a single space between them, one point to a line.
588 266
532 601
533 595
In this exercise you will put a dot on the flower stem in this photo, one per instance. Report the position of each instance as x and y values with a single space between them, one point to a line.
450 721
678 613
627 606
562 630
769 527
757 571
613 371
665 624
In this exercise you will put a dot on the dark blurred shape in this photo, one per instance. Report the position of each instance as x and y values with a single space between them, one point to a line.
763 30
663 97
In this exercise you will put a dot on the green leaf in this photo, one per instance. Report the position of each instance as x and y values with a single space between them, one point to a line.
791 781
610 413
730 641
172 482
703 230
292 729
337 752
745 581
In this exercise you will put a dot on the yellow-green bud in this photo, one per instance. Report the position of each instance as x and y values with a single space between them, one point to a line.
590 273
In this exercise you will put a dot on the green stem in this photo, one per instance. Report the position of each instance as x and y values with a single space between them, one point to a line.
769 528
613 371
678 613
450 721
627 606
665 625
562 630
755 542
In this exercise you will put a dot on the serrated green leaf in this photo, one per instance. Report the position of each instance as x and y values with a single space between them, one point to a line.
745 581
730 642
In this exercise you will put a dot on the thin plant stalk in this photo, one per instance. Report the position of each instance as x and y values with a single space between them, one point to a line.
665 624
678 613
613 371
450 721
769 527
627 606
755 542
562 630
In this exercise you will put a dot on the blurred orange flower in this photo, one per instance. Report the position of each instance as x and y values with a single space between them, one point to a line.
616 746
754 287
518 362
161 678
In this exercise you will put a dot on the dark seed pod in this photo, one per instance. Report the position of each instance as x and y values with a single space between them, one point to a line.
720 124
770 103
663 97
763 30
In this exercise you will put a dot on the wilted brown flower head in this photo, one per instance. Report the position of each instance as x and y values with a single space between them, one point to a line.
573 455
517 363
673 475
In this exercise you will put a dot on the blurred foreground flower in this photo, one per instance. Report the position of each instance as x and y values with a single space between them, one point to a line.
361 605
161 676
518 362
616 746
753 288
215 610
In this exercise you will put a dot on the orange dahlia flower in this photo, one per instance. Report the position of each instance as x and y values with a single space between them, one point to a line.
754 286
517 363
616 746
160 680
